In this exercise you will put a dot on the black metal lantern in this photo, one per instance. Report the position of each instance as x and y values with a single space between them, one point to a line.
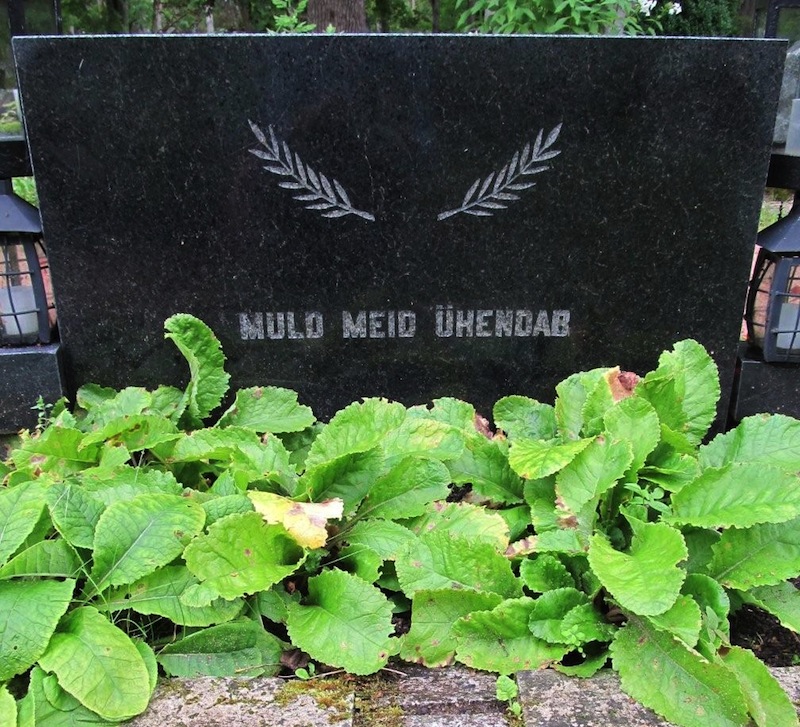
26 310
773 301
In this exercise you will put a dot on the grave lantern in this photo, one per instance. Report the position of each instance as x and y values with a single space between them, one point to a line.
773 302
26 308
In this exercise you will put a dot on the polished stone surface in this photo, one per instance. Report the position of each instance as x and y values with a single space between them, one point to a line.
26 373
386 238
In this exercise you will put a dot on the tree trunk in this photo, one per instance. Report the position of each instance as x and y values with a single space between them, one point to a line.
210 16
347 16
435 13
117 16
158 16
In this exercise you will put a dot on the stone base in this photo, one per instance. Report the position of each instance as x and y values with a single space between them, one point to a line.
26 373
766 387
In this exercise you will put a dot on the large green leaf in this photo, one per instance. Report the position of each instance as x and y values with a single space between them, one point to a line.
220 507
45 559
125 483
635 421
75 512
484 465
715 606
203 445
202 351
548 612
682 620
136 432
159 593
684 389
134 538
423 438
763 555
677 682
451 411
382 536
571 396
646 579
267 460
534 459
348 477
500 640
267 409
781 600
241 555
433 613
98 664
738 495
104 405
438 560
48 705
8 708
344 622
772 439
20 508
29 613
766 701
523 418
593 471
544 572
407 489
356 428
460 519
56 450
238 649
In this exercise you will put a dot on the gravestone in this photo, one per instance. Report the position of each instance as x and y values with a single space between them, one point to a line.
405 216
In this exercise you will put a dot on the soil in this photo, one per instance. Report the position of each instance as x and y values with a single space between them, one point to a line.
760 632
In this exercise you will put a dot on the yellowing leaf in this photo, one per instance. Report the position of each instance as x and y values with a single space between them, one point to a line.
305 521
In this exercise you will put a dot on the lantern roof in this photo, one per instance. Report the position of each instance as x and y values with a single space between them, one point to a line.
784 236
17 215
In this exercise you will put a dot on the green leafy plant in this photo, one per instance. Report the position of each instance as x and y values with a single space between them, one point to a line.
144 534
287 17
631 17
506 690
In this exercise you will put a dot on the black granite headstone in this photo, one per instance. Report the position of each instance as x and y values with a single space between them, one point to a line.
408 216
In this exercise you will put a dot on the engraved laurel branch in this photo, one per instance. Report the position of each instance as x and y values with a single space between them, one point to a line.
317 191
498 188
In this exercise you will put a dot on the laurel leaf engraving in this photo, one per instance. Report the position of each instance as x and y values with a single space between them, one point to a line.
470 192
498 186
342 193
301 170
552 136
486 185
326 185
319 189
258 133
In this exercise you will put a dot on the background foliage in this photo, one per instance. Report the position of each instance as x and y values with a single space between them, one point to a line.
699 17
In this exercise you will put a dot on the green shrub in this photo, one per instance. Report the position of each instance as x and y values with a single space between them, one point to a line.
704 18
141 537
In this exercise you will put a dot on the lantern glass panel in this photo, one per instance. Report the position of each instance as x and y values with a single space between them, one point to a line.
760 293
26 311
787 319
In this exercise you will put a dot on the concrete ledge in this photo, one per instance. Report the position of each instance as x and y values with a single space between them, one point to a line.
451 697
